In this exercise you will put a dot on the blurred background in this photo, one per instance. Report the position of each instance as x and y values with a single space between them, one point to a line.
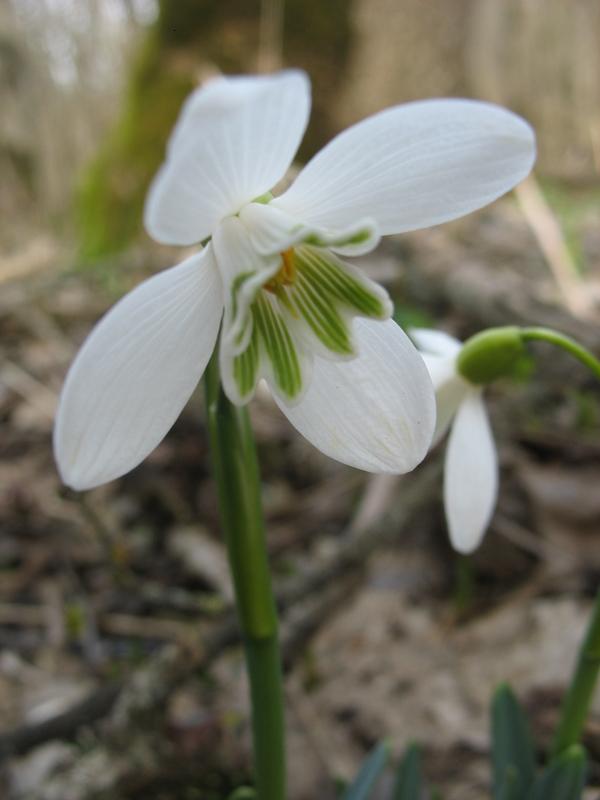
119 672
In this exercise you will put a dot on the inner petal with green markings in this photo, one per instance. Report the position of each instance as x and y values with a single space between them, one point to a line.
284 307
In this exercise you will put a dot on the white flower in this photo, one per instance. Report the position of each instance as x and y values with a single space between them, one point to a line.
291 310
471 464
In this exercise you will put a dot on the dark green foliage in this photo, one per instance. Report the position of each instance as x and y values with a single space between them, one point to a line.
563 778
369 773
515 776
510 787
409 778
243 793
513 759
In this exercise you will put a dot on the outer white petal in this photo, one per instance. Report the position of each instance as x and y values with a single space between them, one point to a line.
136 371
414 165
450 391
235 139
376 412
438 343
470 475
217 96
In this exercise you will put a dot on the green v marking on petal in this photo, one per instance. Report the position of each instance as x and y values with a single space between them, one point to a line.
359 237
245 366
321 316
326 294
279 347
270 339
331 277
236 285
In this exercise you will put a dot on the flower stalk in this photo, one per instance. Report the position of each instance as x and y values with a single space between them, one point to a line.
237 476
578 699
566 343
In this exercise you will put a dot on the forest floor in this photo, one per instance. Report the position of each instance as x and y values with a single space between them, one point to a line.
120 672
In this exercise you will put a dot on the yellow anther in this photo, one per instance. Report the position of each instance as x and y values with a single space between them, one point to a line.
286 274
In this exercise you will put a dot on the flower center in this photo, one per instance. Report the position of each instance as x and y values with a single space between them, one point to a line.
286 274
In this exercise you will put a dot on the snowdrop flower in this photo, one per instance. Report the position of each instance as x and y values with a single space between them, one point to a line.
471 462
271 278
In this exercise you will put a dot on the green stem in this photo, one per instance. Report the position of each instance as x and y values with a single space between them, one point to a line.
237 475
578 699
566 343
464 583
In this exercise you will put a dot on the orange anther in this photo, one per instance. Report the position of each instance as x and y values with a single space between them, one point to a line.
286 274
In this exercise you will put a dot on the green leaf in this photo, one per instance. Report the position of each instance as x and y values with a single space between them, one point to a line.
243 793
409 778
512 749
372 767
563 778
511 786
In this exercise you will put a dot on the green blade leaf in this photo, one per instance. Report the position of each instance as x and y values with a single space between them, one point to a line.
511 786
368 774
243 793
563 778
409 778
512 749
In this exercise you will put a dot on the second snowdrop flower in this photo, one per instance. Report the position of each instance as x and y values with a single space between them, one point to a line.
471 461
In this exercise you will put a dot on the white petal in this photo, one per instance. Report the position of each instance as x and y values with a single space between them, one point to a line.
217 96
243 272
438 343
450 391
235 140
470 475
376 412
413 166
273 231
136 371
